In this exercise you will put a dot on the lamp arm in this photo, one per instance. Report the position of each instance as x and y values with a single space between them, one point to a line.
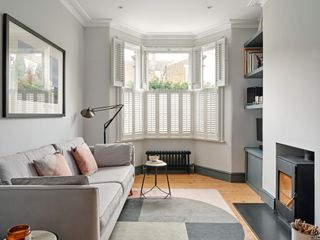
104 108
107 123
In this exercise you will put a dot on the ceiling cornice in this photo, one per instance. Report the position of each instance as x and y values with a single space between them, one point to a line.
83 17
257 3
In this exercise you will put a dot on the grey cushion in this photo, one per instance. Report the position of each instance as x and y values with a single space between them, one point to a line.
70 180
117 154
39 153
110 195
65 149
15 166
121 174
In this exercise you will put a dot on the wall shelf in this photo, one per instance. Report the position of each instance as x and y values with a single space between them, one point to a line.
253 106
255 42
257 73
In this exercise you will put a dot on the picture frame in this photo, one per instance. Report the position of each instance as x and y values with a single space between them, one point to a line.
33 73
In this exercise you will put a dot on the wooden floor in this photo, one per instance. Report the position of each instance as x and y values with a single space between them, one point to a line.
231 192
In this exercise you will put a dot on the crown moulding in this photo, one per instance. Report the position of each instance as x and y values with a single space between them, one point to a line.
83 17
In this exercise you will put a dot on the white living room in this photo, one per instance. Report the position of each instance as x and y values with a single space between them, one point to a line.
184 120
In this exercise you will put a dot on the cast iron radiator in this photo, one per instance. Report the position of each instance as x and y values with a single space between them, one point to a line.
176 160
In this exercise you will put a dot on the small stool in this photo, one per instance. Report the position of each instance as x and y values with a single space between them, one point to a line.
155 166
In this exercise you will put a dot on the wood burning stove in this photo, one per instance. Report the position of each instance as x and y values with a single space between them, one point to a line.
295 189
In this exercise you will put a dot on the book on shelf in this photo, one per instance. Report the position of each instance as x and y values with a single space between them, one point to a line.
253 59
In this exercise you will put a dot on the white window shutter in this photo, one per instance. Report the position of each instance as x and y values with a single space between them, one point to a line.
196 68
127 114
117 52
151 115
212 114
221 58
138 113
144 68
174 113
186 113
163 113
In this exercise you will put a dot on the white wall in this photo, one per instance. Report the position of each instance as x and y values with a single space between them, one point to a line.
239 124
97 80
291 83
50 19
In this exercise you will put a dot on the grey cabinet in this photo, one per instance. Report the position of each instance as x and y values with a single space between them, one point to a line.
254 168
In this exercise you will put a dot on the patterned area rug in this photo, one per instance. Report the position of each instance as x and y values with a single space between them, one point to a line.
175 218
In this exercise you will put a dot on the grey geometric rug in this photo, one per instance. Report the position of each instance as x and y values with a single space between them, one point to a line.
175 219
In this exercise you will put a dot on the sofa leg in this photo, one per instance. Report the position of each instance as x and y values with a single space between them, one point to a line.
131 193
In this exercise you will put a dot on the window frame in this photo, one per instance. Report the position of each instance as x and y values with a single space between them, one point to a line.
203 49
141 84
168 50
137 83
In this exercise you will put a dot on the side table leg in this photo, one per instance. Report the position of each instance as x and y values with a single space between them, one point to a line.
144 176
168 181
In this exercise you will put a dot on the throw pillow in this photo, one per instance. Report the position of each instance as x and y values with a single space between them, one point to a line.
117 154
52 165
69 180
84 159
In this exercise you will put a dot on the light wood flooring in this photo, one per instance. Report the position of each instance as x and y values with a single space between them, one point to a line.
231 192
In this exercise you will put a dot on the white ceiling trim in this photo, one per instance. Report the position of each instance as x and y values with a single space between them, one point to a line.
257 3
83 17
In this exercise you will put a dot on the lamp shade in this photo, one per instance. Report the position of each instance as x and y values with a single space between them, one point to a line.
87 113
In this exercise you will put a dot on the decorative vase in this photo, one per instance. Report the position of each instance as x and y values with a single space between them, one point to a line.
19 232
296 235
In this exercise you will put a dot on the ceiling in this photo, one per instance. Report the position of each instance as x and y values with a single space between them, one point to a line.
163 16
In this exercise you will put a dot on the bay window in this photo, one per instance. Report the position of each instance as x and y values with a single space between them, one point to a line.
169 106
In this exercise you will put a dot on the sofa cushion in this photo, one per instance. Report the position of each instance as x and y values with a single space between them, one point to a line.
117 154
39 153
52 165
120 174
69 180
15 166
65 148
110 195
84 159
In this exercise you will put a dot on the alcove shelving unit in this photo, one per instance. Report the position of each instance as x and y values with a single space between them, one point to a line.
254 155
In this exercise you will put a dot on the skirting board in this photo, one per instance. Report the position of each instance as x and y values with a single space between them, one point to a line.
267 198
225 176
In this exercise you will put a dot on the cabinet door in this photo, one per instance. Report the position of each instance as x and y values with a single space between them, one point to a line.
254 174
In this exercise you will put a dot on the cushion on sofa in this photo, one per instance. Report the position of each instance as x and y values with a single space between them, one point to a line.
84 159
69 180
121 174
52 165
15 166
39 153
117 154
110 195
65 148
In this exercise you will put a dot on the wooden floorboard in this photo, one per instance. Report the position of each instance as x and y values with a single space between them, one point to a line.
231 192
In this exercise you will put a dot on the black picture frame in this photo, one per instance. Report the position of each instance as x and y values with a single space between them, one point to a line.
40 90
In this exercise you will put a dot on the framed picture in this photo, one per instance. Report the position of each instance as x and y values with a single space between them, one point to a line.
34 73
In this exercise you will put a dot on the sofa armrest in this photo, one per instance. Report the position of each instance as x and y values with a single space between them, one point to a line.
72 212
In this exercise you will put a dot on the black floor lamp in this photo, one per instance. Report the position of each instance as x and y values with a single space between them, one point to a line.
90 112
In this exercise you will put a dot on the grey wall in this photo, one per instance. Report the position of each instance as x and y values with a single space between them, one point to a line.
291 84
50 19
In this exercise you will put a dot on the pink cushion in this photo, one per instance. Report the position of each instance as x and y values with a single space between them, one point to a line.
52 165
84 159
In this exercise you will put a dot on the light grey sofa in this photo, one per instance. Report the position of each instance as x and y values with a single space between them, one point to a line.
82 212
